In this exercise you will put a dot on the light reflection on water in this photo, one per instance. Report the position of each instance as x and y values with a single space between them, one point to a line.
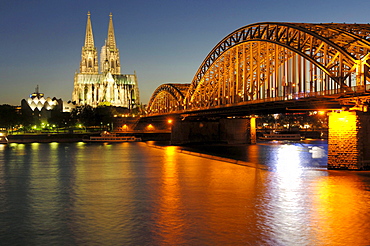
132 194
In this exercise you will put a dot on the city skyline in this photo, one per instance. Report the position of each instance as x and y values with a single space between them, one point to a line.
163 41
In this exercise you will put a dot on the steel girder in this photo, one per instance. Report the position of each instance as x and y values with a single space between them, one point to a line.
167 98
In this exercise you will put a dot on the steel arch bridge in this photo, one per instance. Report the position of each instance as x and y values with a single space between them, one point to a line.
273 62
168 98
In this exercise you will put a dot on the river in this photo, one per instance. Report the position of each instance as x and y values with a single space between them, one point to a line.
144 194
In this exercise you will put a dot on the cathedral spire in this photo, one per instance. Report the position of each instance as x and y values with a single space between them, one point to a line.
111 40
109 53
89 55
89 38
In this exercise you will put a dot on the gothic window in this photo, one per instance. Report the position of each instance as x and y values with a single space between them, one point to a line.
92 92
85 91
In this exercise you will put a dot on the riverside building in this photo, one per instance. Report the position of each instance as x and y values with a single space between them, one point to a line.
107 86
36 106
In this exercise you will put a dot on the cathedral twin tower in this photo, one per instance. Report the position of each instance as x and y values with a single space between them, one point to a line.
109 86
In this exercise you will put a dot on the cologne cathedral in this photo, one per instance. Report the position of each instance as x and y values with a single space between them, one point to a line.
108 87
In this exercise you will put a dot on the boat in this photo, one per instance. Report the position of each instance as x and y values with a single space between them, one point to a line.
111 138
281 136
3 139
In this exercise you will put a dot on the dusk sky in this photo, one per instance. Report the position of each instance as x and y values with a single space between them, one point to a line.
163 41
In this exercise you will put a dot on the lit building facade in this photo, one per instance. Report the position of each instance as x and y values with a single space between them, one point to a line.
107 86
38 107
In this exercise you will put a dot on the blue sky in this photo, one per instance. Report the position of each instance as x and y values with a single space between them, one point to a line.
163 41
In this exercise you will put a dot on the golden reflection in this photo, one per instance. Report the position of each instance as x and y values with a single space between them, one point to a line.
35 146
54 145
81 145
20 148
169 211
340 215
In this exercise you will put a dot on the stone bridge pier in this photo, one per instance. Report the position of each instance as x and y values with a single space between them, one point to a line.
226 130
349 140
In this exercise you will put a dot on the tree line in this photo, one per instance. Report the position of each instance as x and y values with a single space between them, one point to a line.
12 118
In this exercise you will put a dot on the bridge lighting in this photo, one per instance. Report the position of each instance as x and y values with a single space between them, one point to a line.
125 127
150 127
321 112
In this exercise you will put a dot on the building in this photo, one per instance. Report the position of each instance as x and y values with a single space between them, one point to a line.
107 86
36 106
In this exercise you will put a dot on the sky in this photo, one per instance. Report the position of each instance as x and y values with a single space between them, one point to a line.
163 41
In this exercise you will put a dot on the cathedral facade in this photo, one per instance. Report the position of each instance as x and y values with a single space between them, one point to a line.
107 86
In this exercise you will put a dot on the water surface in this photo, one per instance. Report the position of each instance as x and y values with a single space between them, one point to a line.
134 194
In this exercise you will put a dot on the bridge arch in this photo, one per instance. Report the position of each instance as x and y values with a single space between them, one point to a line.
281 60
167 98
273 61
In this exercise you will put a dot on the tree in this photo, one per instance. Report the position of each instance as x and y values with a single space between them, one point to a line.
59 118
9 116
87 116
104 115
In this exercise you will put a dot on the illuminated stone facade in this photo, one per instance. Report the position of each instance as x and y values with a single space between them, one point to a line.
349 141
108 87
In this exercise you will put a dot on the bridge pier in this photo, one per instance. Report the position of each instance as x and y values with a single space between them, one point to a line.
349 140
231 131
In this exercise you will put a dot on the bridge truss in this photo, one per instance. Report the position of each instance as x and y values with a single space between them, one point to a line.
168 98
274 62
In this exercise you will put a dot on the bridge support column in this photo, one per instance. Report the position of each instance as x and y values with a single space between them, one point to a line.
349 140
231 131
253 130
235 131
188 132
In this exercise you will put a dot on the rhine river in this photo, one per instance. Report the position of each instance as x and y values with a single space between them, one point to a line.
137 194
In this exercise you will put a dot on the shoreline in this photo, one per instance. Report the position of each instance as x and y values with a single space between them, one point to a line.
75 137
46 138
